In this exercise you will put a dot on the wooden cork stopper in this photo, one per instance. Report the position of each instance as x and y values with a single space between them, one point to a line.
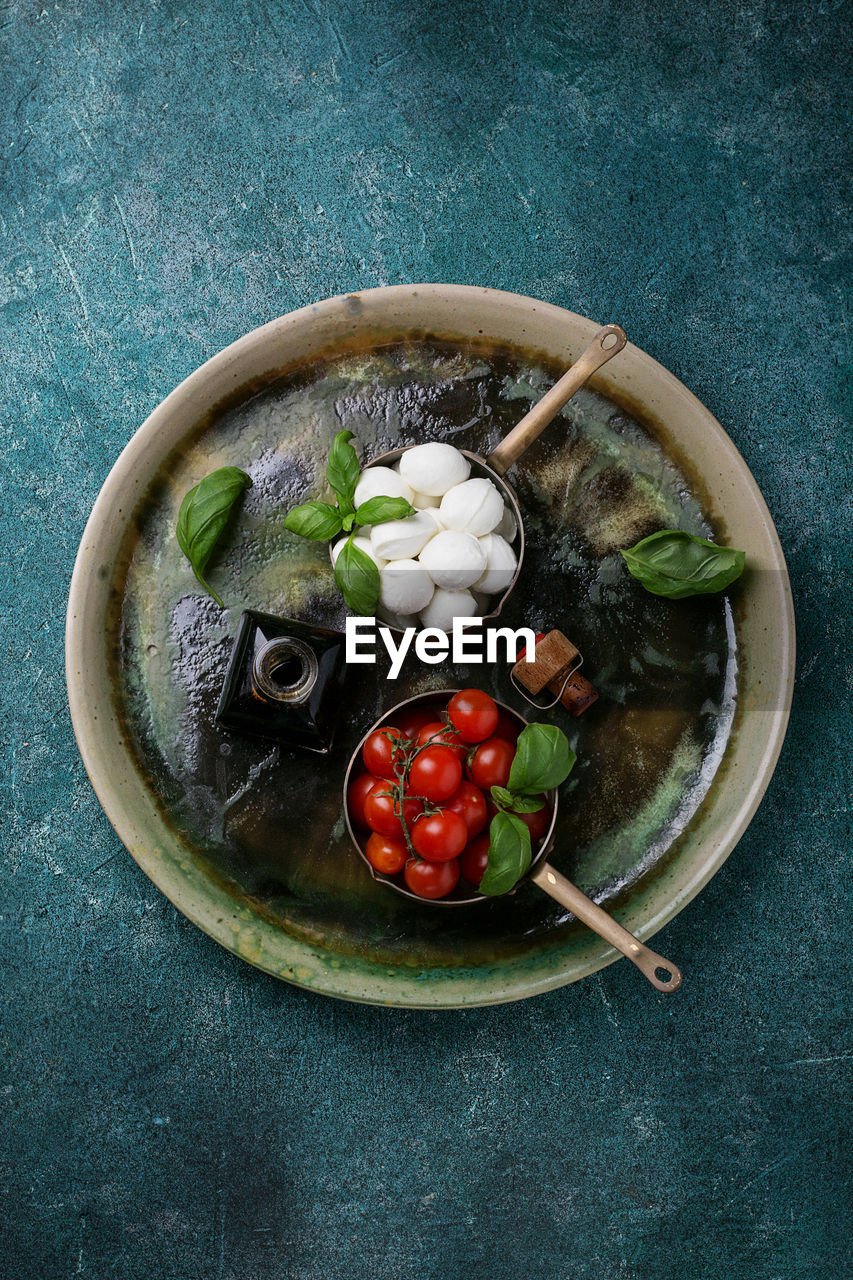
555 657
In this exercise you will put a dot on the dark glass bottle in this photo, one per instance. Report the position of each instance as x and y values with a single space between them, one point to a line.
284 682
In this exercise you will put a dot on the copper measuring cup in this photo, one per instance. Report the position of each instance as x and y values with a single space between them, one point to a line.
607 343
540 871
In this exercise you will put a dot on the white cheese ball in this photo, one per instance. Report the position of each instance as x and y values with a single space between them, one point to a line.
404 587
508 526
500 564
376 482
432 513
473 507
400 539
447 605
454 560
434 468
363 544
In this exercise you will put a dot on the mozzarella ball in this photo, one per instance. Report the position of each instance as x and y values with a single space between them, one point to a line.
447 605
363 544
434 468
376 482
473 507
500 564
404 587
454 560
508 526
400 539
432 512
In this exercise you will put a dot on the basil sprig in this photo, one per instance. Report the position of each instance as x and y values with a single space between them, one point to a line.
203 515
543 759
677 564
356 576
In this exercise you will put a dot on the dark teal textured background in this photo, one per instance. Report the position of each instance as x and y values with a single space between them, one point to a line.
175 173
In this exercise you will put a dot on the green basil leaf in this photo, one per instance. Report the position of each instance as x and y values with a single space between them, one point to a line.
543 759
204 513
357 579
506 799
502 798
527 804
510 854
343 470
378 510
315 520
348 522
676 564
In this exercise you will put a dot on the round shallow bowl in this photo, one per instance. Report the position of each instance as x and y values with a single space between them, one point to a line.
765 636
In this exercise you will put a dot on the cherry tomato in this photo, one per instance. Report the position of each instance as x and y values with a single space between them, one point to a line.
473 713
443 735
378 751
537 823
356 796
438 837
412 721
435 773
475 859
379 811
507 728
491 763
432 879
540 635
386 853
470 803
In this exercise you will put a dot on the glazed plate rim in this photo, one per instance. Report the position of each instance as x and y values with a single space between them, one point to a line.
398 311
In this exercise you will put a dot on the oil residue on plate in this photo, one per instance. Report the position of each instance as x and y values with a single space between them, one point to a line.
267 821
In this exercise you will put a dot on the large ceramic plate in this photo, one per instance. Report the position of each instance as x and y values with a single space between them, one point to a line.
247 839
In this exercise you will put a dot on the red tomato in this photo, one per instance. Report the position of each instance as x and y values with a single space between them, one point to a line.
413 720
379 811
475 859
356 796
537 823
378 751
386 853
507 728
435 773
470 803
540 635
432 879
438 837
442 735
473 713
491 763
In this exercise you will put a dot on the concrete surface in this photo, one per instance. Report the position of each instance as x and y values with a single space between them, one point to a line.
178 172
